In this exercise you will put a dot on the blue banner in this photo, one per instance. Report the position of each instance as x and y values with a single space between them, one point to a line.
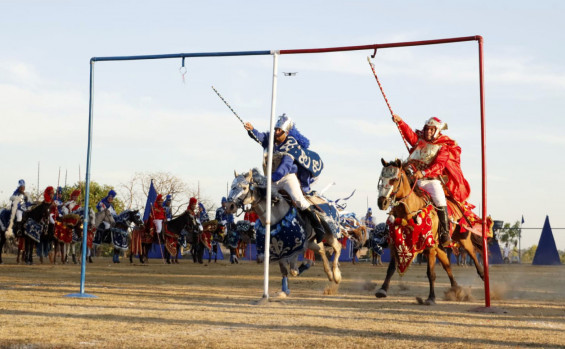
151 197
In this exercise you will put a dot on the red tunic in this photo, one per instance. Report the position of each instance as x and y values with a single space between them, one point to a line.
250 216
158 211
447 161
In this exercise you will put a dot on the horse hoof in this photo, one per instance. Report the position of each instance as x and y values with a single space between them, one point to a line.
281 294
428 301
294 272
337 276
380 293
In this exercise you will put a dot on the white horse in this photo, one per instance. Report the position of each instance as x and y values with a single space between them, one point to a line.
250 189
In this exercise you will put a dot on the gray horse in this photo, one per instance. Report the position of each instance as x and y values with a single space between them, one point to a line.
250 189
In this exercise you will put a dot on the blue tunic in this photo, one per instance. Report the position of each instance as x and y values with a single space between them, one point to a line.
287 164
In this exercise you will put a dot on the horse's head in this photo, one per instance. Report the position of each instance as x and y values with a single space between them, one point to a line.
105 216
389 182
135 217
243 190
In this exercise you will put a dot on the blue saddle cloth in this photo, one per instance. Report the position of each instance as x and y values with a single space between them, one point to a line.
232 238
33 230
287 237
119 238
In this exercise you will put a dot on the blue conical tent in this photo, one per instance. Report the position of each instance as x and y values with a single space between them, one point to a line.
546 253
494 255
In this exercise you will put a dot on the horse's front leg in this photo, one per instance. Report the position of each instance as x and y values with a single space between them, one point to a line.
382 292
431 255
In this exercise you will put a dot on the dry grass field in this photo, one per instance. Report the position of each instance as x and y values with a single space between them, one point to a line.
216 306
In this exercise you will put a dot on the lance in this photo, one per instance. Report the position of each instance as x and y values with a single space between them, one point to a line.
234 113
386 100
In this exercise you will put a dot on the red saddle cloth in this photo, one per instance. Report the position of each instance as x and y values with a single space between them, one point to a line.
410 237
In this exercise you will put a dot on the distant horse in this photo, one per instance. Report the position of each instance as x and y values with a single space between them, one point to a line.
218 236
185 225
290 234
413 223
246 234
120 232
103 221
378 240
66 230
4 224
35 222
355 231
205 239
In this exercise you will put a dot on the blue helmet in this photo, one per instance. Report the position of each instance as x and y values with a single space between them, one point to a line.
21 183
224 199
112 193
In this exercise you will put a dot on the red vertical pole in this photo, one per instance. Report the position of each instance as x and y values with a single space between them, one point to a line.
484 175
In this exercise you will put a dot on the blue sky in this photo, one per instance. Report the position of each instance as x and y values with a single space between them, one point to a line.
146 119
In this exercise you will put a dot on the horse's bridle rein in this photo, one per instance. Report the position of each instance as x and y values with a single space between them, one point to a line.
239 202
397 201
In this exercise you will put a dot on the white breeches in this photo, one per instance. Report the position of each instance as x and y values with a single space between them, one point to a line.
158 225
106 225
435 189
19 215
291 185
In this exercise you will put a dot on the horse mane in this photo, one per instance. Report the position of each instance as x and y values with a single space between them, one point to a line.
38 211
259 180
177 224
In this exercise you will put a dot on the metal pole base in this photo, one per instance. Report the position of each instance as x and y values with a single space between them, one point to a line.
80 295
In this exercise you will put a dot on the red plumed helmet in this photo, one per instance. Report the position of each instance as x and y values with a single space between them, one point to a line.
159 198
75 193
192 201
48 194
437 123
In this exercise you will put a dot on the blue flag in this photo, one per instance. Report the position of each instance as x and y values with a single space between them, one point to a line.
151 197
523 219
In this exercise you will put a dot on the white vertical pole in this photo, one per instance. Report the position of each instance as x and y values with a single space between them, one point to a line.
268 174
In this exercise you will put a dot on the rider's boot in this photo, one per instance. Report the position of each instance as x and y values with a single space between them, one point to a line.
311 215
444 238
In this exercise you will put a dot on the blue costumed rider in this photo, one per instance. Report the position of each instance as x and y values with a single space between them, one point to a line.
295 167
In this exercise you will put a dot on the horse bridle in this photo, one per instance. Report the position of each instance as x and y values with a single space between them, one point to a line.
392 195
239 200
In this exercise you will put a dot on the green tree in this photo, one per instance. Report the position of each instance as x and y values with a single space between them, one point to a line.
96 193
528 254
510 234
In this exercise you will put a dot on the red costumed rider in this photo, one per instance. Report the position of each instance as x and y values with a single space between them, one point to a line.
435 155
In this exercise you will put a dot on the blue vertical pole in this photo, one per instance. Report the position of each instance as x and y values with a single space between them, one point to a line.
87 192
